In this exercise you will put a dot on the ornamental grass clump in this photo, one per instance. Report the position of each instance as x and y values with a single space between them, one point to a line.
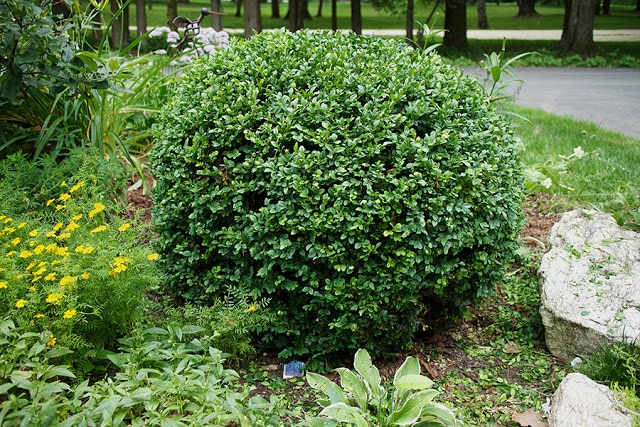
81 279
354 181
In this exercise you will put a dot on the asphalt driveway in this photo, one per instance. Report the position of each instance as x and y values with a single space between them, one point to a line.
608 97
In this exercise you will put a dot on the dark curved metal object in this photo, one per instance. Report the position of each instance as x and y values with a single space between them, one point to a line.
191 27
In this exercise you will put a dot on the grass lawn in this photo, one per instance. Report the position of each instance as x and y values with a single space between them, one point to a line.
500 17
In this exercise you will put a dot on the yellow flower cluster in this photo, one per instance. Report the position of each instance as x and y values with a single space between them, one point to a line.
45 268
119 265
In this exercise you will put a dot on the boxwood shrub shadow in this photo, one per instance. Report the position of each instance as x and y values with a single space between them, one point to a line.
353 180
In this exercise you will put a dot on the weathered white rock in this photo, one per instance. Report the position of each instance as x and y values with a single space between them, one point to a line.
581 402
589 284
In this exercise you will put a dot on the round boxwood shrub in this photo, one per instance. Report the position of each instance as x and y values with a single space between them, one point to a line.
354 181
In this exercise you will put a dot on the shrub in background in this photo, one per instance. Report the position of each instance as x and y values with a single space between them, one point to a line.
352 180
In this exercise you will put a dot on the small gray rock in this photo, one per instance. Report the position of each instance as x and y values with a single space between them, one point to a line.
580 402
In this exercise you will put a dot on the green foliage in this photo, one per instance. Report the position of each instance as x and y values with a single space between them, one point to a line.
609 54
630 402
37 51
81 277
162 379
28 184
32 390
41 78
496 67
165 378
228 323
55 95
352 180
618 363
364 401
581 163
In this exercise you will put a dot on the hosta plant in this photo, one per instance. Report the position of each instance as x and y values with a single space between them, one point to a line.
363 400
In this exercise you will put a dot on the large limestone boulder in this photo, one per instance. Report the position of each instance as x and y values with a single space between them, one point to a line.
581 402
590 284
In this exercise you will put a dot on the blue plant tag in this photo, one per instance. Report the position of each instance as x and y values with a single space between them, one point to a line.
293 369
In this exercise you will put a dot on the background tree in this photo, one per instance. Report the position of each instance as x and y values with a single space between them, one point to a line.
483 21
455 24
141 17
275 9
577 29
356 17
604 6
252 18
120 24
295 15
526 9
172 12
334 15
216 20
409 21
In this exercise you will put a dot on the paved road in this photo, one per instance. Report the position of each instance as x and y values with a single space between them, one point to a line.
608 97
631 35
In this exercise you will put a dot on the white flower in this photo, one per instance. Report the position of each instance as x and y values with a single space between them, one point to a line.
578 152
160 52
209 48
159 31
173 37
546 183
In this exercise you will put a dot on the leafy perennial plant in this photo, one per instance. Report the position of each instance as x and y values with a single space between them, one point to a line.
67 279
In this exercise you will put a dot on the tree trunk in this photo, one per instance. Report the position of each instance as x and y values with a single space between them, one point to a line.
295 15
275 9
305 9
172 12
141 17
527 9
319 14
577 30
334 15
356 17
606 7
455 24
216 20
238 8
302 8
116 26
252 18
637 9
483 21
409 22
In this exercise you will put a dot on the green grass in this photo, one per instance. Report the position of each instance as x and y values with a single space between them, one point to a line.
500 17
608 54
608 178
